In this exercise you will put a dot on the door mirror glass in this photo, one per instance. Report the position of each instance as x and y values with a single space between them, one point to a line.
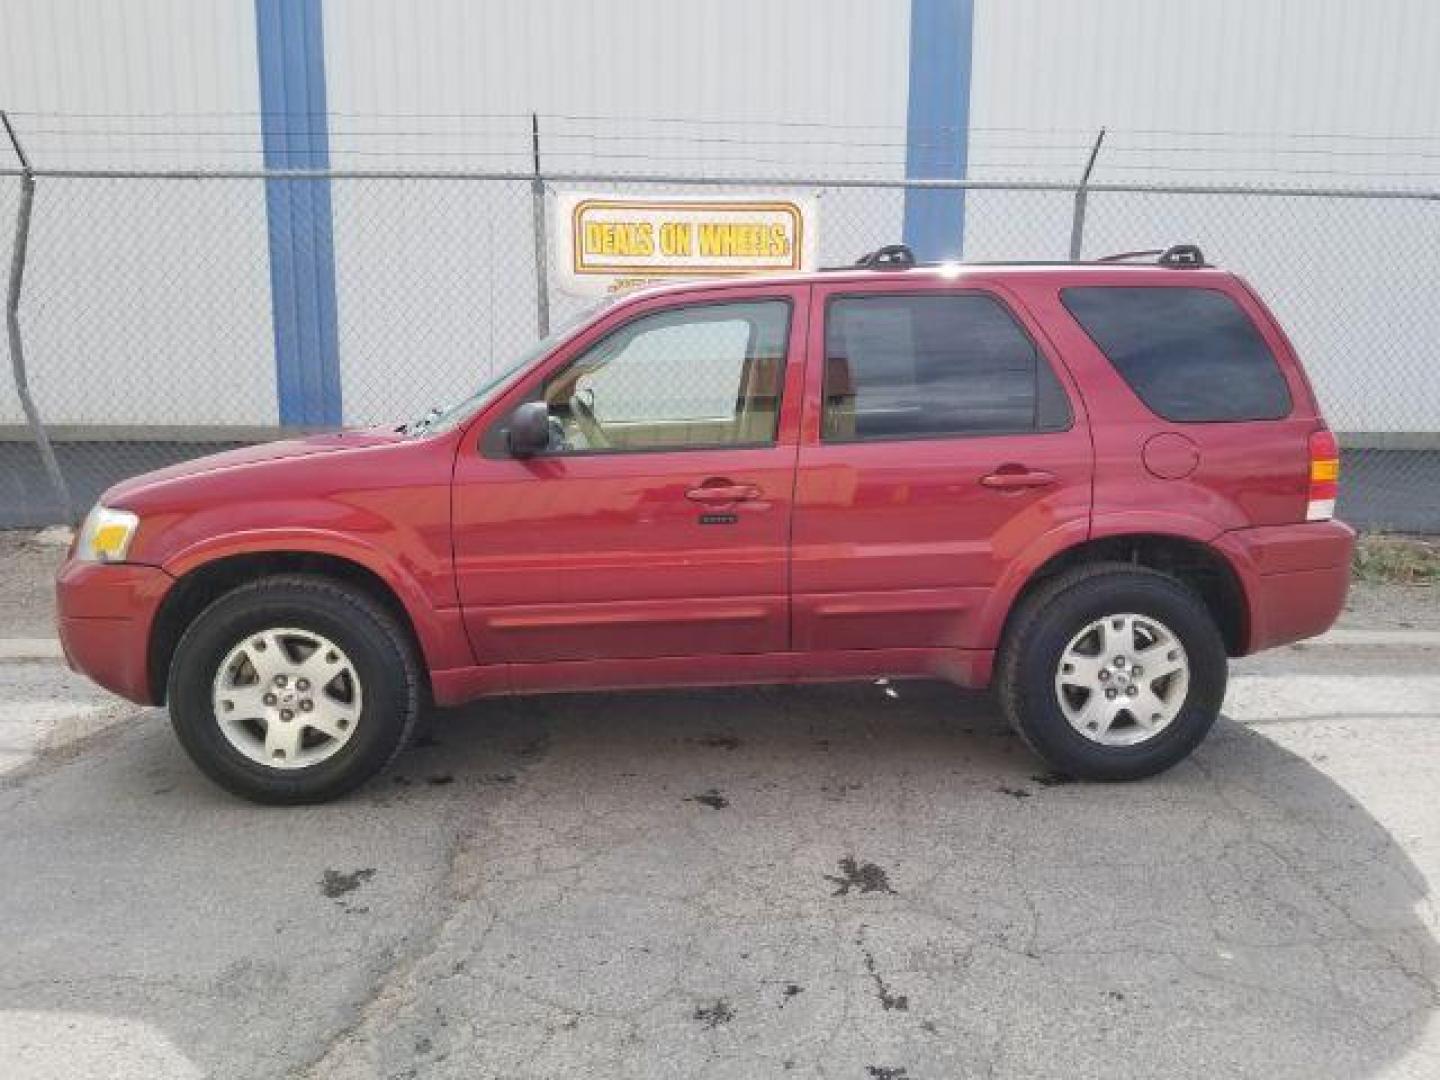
529 430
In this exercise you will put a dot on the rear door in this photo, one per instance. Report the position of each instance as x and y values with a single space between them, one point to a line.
940 440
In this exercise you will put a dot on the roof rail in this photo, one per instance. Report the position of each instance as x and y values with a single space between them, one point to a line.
889 257
900 257
1179 256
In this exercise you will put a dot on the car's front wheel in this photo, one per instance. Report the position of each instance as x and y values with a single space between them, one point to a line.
293 689
1112 672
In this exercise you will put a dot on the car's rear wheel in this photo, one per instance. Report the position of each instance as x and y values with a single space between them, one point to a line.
293 689
1112 672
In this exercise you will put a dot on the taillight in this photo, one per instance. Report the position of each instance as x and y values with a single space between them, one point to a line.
1324 476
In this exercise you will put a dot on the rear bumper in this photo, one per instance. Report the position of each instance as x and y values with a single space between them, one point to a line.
1294 578
105 616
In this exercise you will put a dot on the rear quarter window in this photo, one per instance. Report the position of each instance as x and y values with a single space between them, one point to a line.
1191 355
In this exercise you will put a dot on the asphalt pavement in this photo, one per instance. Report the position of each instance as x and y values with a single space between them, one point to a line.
853 881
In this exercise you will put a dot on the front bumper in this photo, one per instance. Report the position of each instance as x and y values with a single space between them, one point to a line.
106 611
1294 577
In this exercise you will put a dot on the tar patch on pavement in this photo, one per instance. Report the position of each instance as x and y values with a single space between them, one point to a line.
886 1072
335 884
1013 792
711 798
718 742
1053 779
888 1000
862 877
790 991
438 781
712 1016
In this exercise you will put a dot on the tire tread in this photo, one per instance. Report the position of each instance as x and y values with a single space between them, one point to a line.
263 590
1033 610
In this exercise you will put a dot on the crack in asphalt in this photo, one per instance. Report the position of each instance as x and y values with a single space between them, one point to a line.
459 880
888 1000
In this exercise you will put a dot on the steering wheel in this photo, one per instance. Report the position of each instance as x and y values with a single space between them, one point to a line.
587 423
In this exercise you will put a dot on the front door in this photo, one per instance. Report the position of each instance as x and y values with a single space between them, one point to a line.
657 522
940 442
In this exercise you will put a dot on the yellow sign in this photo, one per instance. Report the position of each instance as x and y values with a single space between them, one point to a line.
608 243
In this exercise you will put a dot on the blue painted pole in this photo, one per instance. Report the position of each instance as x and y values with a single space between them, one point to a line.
295 134
937 125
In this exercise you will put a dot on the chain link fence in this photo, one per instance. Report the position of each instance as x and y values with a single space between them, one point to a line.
145 319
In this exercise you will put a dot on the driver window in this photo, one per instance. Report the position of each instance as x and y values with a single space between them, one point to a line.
693 377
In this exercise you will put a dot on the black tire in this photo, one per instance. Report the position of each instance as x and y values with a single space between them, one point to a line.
370 637
1043 627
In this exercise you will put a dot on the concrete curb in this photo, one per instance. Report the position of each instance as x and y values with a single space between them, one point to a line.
30 649
1414 639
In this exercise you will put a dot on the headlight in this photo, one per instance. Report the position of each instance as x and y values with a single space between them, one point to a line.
106 535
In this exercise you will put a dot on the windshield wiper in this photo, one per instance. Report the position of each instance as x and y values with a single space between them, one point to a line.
418 427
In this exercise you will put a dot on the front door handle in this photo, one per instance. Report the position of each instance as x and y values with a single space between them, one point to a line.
722 491
1015 477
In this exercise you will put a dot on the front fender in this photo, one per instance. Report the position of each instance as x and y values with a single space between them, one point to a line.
440 631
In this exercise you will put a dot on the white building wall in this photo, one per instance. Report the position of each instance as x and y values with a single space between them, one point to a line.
1240 92
1232 80
435 281
145 301
167 283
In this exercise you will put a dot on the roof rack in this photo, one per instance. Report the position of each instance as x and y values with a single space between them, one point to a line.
1180 256
889 257
900 257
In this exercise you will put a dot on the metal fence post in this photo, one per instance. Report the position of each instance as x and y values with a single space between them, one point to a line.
12 324
537 202
1082 194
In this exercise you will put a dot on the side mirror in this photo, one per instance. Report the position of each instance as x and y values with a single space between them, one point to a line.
529 430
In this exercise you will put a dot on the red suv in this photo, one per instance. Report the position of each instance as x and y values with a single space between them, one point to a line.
1084 484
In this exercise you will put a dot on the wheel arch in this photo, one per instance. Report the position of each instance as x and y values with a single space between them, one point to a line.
1193 561
205 581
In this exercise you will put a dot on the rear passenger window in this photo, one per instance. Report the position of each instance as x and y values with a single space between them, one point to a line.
1189 354
912 366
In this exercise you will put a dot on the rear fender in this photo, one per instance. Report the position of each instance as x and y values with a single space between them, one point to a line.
1017 574
1022 570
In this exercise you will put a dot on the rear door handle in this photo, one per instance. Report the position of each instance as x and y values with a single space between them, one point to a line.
722 491
1014 478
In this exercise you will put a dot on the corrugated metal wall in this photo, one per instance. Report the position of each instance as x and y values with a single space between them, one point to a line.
618 79
172 285
119 282
88 66
633 86
1325 93
1210 89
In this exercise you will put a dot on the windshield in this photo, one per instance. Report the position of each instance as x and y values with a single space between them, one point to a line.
442 419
